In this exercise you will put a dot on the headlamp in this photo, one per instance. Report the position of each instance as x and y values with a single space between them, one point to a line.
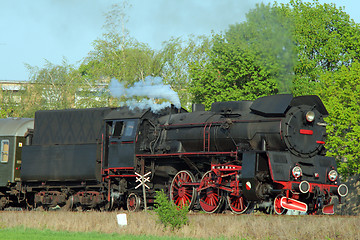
297 172
332 175
310 116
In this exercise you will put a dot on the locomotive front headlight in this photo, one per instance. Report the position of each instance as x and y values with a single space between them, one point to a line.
333 175
310 116
297 172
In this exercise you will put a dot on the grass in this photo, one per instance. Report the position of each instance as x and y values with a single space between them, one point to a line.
20 233
205 226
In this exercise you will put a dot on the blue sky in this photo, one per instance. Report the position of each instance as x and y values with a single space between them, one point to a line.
32 31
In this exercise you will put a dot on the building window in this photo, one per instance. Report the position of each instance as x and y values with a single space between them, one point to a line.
4 151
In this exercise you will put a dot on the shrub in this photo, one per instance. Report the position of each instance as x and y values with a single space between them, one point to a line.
169 214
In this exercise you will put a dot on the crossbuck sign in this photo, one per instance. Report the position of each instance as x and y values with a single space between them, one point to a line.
143 179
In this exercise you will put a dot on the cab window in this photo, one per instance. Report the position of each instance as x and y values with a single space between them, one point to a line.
118 129
129 128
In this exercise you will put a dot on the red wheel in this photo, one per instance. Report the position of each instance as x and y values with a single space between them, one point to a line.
210 197
181 194
278 209
238 204
133 202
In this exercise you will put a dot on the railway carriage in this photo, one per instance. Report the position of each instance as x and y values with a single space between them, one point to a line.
13 133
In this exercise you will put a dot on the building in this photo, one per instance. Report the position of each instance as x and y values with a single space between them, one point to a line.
13 89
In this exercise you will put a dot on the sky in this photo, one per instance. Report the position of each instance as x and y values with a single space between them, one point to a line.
36 31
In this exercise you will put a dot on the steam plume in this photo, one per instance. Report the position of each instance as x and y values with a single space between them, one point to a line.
151 88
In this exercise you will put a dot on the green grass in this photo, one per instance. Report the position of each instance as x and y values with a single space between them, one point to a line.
20 233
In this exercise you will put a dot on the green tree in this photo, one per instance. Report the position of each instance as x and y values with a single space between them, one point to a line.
267 36
53 87
117 55
128 64
340 92
9 102
176 56
325 37
5 112
298 41
251 59
169 214
229 73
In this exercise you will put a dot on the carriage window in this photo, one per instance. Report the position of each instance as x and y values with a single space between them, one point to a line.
130 125
118 129
4 151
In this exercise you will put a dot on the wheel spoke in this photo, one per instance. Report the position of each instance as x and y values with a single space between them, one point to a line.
181 194
238 204
210 200
133 202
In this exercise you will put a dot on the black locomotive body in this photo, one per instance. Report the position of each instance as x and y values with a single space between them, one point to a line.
268 153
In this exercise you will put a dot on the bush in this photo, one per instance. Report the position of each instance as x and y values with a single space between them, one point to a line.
169 214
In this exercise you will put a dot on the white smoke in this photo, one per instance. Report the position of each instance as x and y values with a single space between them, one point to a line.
151 88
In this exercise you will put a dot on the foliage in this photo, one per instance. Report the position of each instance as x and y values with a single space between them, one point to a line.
340 92
129 63
230 73
8 103
168 212
325 37
267 36
51 87
59 87
176 55
289 45
117 55
4 113
252 59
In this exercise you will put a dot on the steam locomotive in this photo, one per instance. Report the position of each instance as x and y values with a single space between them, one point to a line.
268 153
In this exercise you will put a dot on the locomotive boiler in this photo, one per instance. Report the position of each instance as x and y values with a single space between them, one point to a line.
267 154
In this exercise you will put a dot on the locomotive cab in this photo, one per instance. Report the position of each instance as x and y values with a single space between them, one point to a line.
121 136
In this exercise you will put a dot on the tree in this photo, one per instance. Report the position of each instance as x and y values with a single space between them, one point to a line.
9 102
52 87
296 42
169 214
176 56
340 92
229 73
251 59
325 37
117 55
267 36
128 64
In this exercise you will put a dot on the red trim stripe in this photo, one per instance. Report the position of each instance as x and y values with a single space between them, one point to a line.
306 132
